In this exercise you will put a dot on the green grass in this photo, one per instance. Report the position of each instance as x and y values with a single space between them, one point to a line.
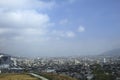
14 76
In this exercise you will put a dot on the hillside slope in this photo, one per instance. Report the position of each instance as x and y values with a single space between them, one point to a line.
113 52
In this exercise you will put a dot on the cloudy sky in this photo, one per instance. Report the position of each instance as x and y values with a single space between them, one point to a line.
35 28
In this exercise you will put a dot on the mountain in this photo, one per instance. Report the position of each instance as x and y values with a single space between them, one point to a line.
113 52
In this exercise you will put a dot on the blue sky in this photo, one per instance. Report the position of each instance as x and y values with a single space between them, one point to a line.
59 27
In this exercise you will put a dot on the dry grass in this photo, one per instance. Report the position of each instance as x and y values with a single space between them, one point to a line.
16 77
52 76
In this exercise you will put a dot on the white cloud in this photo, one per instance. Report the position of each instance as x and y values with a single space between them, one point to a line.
26 4
63 34
24 19
58 33
33 32
70 34
24 25
81 29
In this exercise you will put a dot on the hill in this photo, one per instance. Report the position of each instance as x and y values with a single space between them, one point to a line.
15 76
113 52
54 76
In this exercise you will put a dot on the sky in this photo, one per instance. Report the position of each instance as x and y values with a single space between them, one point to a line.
39 28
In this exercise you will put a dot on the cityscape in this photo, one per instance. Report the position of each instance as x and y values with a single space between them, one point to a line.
99 67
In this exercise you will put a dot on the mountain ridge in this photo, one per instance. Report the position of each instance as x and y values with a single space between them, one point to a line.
113 52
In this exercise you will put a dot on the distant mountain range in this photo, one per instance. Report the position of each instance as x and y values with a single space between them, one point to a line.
113 52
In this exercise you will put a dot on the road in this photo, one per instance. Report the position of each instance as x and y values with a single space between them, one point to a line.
38 76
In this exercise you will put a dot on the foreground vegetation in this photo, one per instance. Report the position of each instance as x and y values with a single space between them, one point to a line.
53 76
16 77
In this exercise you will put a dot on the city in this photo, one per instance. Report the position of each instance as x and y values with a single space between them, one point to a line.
80 68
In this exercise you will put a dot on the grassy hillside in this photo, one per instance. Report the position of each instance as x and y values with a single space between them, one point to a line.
16 77
52 76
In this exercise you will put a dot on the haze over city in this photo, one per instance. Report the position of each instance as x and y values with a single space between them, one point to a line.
33 28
